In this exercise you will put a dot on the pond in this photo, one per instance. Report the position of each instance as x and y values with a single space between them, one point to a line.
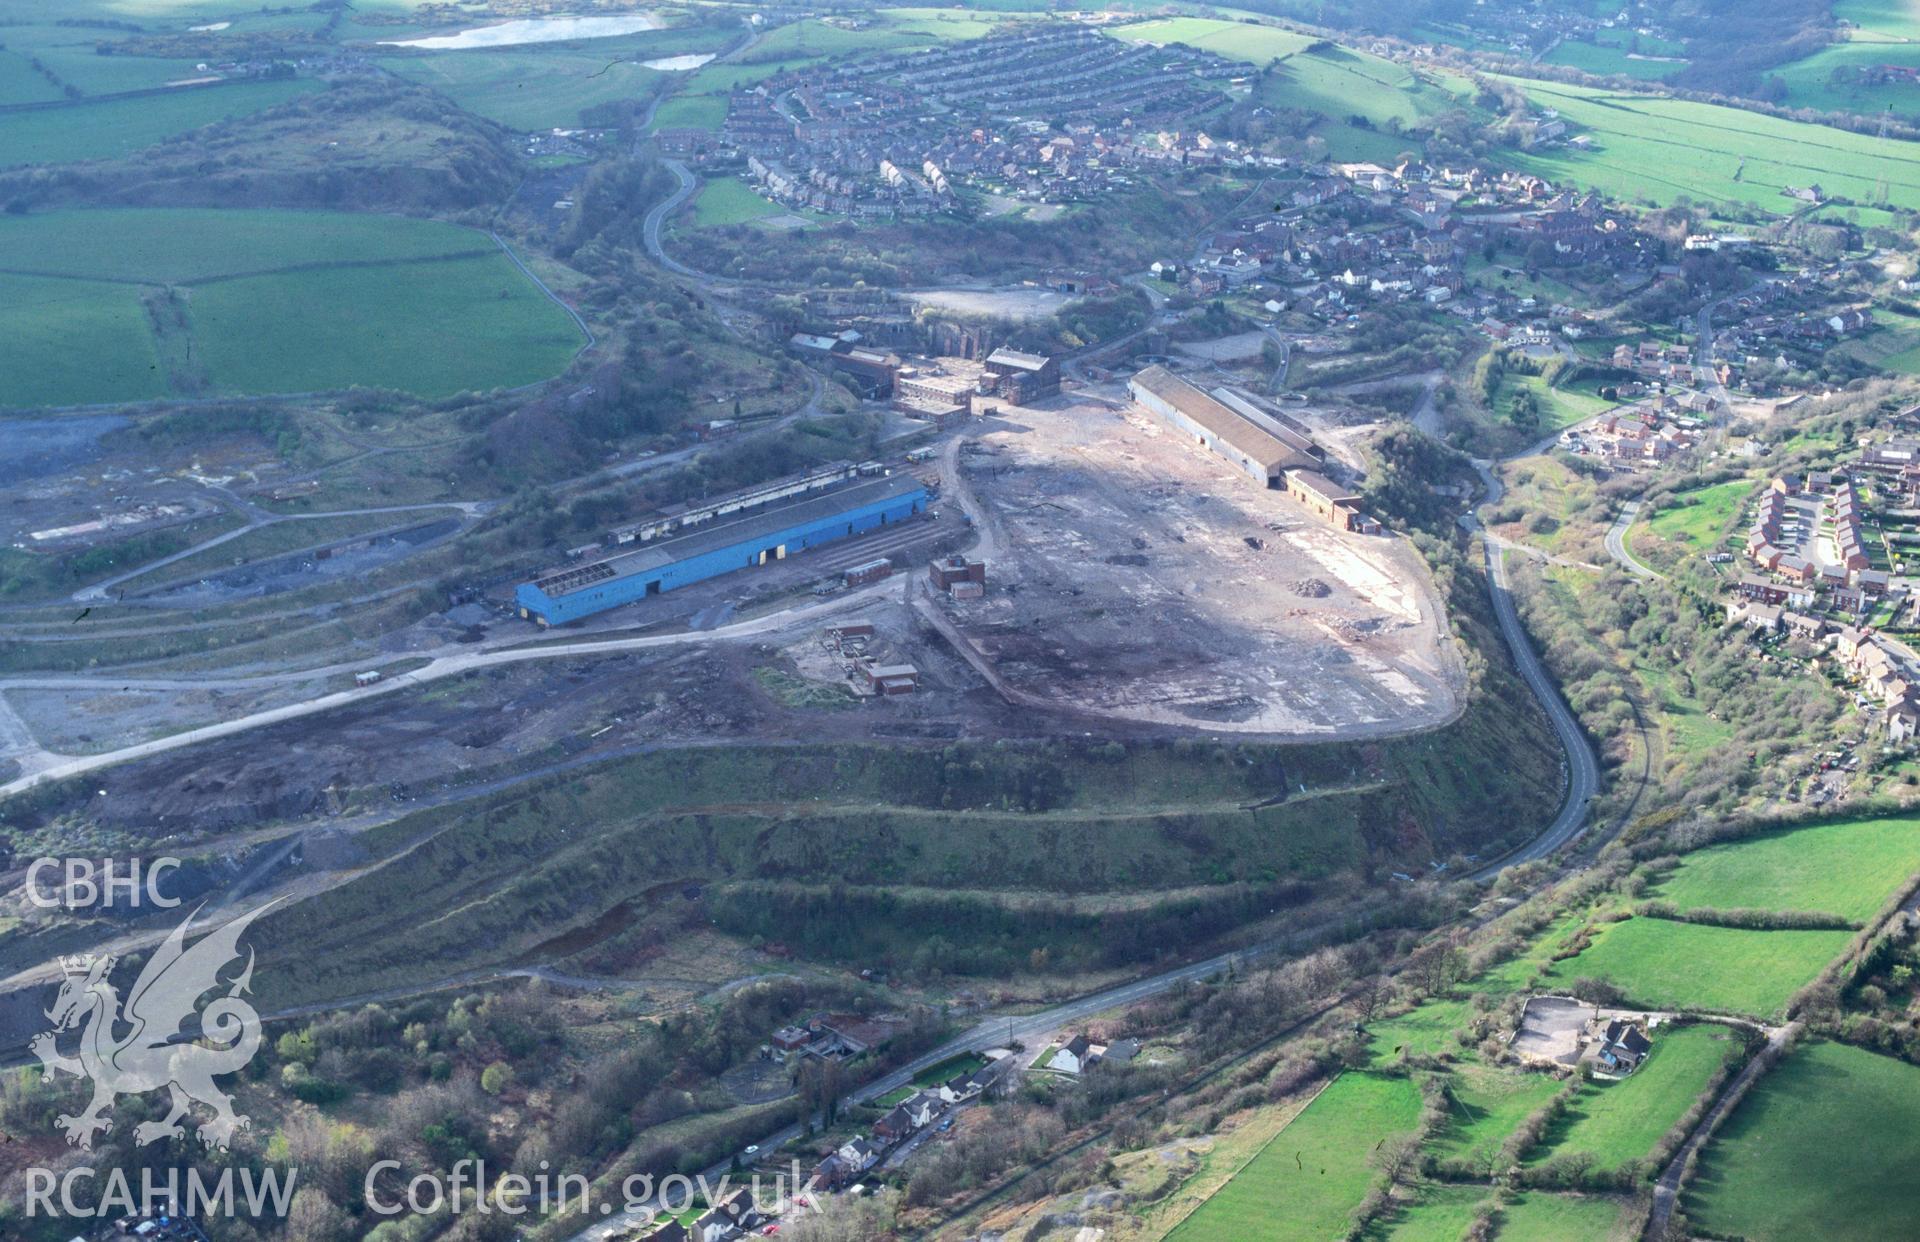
678 64
534 30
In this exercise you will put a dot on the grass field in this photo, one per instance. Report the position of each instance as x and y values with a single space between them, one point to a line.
1883 32
701 101
1690 524
65 342
1541 1217
1611 58
729 200
529 88
1690 729
1848 868
1306 1181
1619 1122
71 54
1238 40
1652 149
188 244
1487 1105
1559 407
110 128
1337 82
417 305
1824 1146
1424 1031
546 85
1438 1214
1689 966
430 327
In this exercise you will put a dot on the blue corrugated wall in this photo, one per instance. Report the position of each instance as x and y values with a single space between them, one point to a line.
614 592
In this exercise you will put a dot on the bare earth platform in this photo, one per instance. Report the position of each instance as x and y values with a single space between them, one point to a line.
1134 575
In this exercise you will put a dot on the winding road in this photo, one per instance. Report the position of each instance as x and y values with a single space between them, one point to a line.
1617 544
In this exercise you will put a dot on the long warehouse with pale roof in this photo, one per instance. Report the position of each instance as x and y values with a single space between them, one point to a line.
1257 452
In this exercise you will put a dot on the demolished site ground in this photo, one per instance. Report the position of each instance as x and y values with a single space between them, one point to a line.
1133 574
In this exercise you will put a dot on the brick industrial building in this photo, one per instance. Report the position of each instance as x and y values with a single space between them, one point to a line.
1022 379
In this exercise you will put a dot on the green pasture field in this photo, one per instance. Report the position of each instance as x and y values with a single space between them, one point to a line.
276 301
546 85
1486 1105
1611 58
165 245
1695 967
701 101
1848 868
1423 1031
20 83
1559 407
1438 1213
1692 523
729 200
65 342
1882 32
73 54
111 128
531 88
1823 1146
691 112
431 327
1655 149
1337 82
1238 40
1880 21
1893 347
1315 1193
1541 1217
1619 1122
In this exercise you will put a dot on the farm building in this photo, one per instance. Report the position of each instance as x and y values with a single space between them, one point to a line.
1251 448
770 534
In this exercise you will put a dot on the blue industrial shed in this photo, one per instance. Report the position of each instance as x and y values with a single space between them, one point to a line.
771 534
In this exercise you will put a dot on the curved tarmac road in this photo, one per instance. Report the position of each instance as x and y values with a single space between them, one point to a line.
1617 544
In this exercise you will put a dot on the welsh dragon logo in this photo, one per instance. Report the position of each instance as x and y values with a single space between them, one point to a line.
148 1043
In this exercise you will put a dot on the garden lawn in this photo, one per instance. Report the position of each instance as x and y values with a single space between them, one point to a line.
1619 1122
1823 1146
1693 967
1306 1182
1848 868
